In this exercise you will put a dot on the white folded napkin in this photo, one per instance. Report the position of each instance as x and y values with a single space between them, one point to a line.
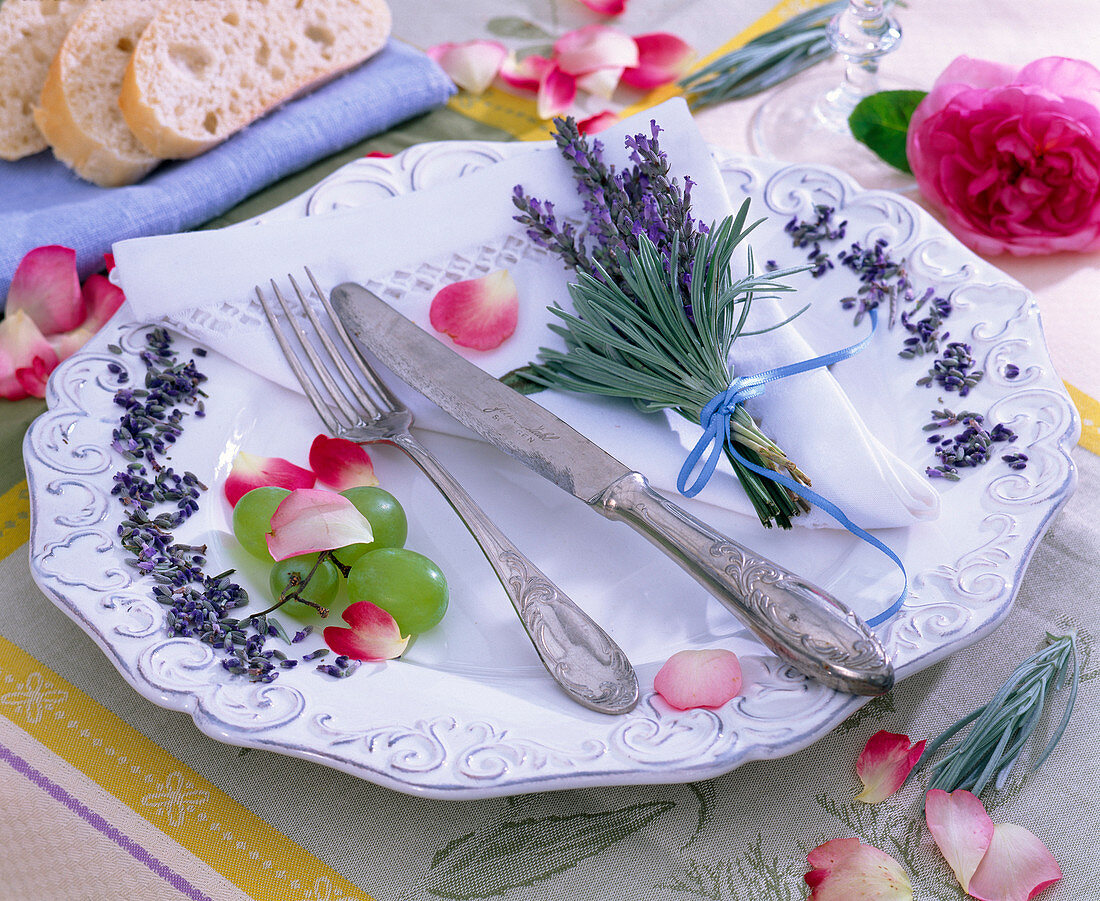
407 247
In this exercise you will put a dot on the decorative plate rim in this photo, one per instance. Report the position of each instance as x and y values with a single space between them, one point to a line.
441 755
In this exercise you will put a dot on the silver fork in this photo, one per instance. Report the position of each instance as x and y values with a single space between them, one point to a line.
581 657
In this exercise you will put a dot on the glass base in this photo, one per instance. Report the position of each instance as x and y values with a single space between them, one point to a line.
807 122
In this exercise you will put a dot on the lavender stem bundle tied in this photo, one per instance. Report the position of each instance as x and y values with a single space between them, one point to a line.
656 307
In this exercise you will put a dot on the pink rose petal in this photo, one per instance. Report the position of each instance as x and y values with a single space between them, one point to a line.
101 300
251 471
32 379
26 357
597 123
1016 867
601 82
525 74
594 47
479 313
373 635
472 65
606 7
68 343
45 286
662 58
962 830
884 764
557 91
313 519
846 870
699 678
341 463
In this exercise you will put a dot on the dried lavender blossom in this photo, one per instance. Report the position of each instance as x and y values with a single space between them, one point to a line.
954 370
973 445
619 207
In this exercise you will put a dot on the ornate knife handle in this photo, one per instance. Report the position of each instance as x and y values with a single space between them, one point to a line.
582 658
799 622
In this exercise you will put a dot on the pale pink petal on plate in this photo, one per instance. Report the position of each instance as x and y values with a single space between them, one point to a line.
252 471
373 635
341 463
594 47
472 65
597 123
601 82
846 870
525 74
480 313
699 678
884 764
962 830
606 7
68 343
557 91
662 58
101 299
1016 867
21 344
45 286
313 519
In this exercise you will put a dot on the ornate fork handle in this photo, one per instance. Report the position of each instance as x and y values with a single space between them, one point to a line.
581 657
798 621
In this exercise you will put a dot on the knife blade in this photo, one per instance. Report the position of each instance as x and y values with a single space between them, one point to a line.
799 622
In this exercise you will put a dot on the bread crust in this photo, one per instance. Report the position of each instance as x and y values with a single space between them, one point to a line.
78 112
174 95
30 34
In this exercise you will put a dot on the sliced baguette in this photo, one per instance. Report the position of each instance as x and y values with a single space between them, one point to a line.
78 112
30 33
203 71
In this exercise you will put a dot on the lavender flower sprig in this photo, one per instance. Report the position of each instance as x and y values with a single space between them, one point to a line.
657 309
1000 729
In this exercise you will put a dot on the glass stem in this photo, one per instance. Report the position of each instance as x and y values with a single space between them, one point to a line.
862 34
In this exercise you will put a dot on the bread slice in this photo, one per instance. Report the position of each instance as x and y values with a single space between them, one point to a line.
78 112
30 33
202 71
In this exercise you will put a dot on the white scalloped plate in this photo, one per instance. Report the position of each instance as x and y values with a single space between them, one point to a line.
468 712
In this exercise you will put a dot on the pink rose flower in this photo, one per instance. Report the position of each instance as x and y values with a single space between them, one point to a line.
1013 158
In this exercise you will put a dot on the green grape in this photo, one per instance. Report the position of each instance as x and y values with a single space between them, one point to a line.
407 584
252 519
322 587
386 517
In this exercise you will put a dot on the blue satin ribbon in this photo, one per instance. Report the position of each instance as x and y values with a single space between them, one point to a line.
715 420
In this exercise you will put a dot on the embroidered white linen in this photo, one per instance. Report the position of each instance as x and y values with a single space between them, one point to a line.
406 247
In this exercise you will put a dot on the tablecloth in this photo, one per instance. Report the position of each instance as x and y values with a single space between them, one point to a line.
103 795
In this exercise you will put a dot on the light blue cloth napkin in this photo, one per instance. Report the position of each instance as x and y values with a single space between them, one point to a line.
42 202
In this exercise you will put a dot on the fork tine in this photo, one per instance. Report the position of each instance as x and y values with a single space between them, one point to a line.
339 395
369 403
365 369
319 403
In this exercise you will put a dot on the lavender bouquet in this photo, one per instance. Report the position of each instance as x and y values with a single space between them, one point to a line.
657 307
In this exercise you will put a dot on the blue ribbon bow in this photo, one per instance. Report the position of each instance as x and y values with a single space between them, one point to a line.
715 420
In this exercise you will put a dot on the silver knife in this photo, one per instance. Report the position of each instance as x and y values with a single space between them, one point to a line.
796 620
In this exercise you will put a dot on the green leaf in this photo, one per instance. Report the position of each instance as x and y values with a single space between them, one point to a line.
515 27
881 121
519 853
520 380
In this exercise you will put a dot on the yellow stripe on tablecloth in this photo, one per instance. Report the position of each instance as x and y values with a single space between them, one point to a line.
517 115
1089 408
228 837
15 518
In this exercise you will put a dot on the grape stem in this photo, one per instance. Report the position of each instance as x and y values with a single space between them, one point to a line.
297 585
